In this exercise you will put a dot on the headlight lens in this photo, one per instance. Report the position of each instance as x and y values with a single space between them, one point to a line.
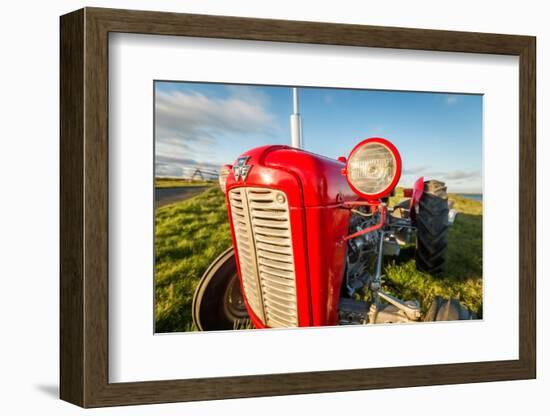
374 167
222 178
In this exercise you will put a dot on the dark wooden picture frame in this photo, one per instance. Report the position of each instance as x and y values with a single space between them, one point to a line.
84 207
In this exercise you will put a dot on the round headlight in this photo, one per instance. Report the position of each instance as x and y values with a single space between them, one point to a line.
222 177
373 168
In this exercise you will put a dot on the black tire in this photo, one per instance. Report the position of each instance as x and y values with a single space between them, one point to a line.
447 310
432 226
218 303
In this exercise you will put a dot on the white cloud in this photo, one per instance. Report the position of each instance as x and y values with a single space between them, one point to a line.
451 99
415 170
456 180
201 117
460 175
189 124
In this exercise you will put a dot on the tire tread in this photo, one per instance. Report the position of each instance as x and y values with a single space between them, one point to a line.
432 228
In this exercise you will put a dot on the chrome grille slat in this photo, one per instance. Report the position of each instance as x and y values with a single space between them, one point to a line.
278 285
275 264
270 223
269 215
272 241
265 206
274 232
283 292
282 258
277 310
268 277
246 254
281 323
273 248
255 197
261 223
284 297
278 273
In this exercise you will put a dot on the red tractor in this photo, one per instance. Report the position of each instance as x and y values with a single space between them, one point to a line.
309 235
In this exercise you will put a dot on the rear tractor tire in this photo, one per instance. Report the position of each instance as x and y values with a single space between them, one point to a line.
432 226
218 303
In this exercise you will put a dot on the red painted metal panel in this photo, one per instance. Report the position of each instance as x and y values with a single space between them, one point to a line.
317 191
417 191
315 188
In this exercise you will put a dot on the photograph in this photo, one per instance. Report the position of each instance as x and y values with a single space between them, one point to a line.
305 206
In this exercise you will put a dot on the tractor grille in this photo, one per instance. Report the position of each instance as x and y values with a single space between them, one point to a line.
262 230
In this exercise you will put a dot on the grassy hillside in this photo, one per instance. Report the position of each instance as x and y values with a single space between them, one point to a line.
463 276
178 182
192 233
189 235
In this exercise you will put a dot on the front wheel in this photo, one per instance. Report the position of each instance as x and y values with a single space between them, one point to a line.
218 303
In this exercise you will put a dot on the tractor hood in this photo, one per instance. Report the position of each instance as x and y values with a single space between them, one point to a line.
320 178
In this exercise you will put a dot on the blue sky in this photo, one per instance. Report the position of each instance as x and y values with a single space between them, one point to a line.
438 135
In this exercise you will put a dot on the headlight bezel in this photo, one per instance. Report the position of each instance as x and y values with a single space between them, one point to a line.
225 170
380 193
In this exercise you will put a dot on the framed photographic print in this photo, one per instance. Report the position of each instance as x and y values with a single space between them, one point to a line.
255 207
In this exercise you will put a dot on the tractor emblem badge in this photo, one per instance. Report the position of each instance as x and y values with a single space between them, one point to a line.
241 169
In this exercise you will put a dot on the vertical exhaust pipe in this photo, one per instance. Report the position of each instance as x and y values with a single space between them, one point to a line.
296 122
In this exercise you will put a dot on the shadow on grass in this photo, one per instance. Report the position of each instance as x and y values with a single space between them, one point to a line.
462 279
465 249
465 255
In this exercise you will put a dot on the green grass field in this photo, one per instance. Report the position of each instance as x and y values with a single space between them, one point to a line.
189 235
192 233
463 276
